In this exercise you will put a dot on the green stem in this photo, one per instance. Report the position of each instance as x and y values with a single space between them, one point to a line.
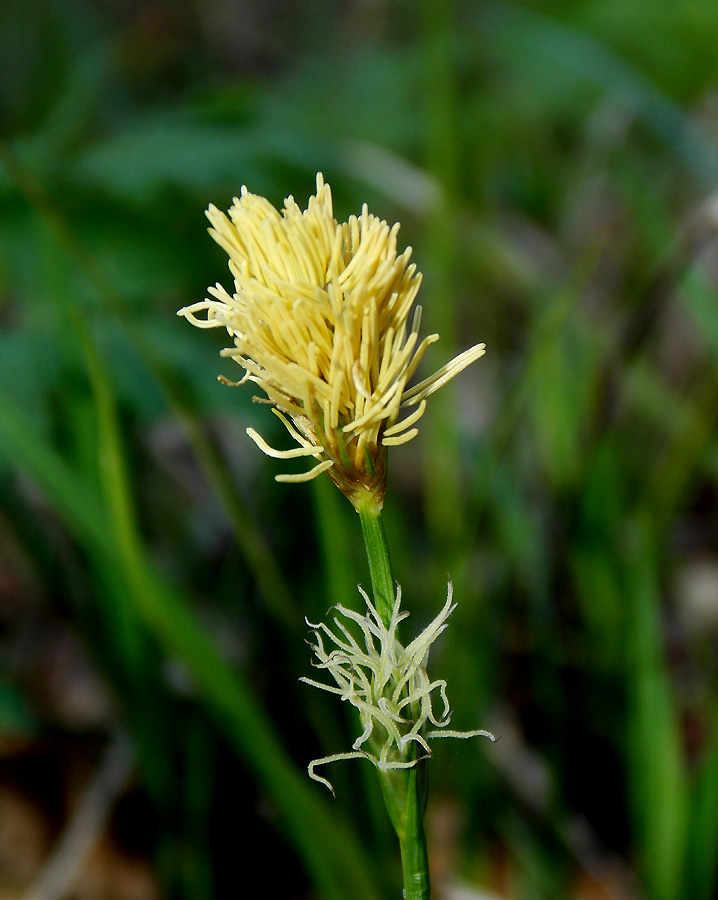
414 860
377 552
403 789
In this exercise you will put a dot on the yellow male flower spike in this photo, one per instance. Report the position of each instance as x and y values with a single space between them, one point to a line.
320 321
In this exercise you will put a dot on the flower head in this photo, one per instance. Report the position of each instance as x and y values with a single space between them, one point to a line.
320 319
387 683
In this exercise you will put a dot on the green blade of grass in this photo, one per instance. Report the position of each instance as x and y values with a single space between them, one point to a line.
658 780
444 498
336 863
702 856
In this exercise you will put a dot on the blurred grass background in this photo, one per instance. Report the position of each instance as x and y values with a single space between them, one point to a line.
554 166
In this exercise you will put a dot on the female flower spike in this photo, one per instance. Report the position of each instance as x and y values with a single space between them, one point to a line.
320 321
387 683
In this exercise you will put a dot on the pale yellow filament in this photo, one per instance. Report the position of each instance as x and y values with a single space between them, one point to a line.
320 320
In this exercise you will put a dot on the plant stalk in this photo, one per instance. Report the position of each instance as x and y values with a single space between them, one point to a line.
377 551
404 790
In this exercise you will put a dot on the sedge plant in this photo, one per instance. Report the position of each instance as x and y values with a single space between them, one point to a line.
323 320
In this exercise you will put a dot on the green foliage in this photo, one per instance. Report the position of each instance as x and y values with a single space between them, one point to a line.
553 166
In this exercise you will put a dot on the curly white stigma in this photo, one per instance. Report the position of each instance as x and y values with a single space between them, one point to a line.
387 683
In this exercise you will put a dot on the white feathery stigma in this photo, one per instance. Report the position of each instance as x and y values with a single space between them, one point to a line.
387 683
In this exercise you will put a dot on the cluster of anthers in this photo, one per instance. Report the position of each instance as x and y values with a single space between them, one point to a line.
388 684
320 320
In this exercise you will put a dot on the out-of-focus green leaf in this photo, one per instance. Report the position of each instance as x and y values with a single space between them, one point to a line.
658 778
16 716
569 65
701 870
168 150
165 614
